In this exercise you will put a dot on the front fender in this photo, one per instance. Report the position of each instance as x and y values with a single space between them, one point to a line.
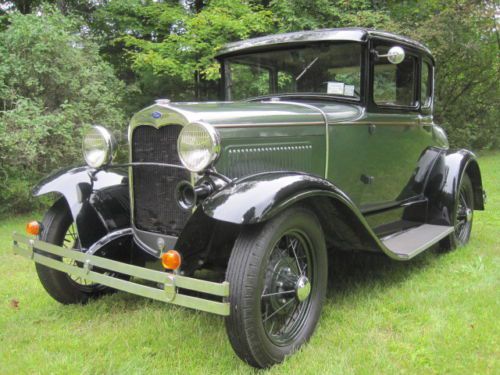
257 198
99 202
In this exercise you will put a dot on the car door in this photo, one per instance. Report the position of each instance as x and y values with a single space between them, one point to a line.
398 137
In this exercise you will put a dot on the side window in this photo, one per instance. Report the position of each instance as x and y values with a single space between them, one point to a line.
394 84
426 85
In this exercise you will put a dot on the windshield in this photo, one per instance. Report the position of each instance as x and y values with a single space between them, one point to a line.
326 68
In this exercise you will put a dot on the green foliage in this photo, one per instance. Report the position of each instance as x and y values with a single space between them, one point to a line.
80 62
296 15
53 84
186 53
465 42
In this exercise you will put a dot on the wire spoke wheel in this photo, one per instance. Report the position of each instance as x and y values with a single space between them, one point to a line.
464 214
277 276
71 242
59 229
285 299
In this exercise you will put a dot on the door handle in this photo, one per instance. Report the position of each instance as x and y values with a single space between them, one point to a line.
367 180
372 128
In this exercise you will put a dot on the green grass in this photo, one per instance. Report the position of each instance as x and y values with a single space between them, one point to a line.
436 314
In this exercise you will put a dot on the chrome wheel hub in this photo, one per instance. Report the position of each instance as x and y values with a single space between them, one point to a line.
302 288
468 214
285 298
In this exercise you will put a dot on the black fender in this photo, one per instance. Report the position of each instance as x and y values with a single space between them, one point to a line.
257 198
98 200
444 181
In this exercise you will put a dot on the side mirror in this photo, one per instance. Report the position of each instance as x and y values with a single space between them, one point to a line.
395 55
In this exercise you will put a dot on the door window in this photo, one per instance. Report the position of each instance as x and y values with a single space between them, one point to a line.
394 85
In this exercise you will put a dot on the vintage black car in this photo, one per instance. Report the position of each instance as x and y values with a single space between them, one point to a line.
323 141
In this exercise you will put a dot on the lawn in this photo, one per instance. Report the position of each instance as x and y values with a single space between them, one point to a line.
438 313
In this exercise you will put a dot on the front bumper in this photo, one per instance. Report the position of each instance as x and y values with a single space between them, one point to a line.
43 252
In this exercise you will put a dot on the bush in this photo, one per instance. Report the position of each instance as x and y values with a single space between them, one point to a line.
53 84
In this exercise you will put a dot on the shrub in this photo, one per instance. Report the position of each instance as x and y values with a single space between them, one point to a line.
53 83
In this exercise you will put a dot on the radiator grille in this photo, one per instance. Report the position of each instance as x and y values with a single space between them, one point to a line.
155 208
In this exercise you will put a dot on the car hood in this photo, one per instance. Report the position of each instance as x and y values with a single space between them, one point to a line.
243 114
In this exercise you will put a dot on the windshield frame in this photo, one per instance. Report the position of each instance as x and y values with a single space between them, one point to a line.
364 62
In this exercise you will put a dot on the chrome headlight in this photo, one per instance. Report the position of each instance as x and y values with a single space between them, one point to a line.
198 146
98 146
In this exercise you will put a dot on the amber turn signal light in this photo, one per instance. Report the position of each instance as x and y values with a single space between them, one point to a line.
171 260
33 227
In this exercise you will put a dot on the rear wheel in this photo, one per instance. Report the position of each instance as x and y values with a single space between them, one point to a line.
463 216
277 274
58 229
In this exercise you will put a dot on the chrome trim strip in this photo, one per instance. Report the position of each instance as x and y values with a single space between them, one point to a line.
243 125
109 238
398 123
263 148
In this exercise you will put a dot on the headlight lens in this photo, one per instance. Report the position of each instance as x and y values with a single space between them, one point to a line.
198 146
98 146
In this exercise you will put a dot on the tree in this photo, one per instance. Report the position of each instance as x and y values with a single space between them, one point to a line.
463 37
53 83
174 45
294 15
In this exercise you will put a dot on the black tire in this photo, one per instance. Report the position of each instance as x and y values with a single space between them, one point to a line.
60 286
258 261
462 216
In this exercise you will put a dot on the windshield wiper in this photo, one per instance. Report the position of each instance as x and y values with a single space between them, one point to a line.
306 68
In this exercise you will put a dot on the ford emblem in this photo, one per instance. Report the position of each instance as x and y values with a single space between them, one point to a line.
156 114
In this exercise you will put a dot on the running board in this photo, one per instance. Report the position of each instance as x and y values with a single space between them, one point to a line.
409 243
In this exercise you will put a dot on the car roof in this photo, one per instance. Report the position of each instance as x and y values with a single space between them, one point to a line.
352 34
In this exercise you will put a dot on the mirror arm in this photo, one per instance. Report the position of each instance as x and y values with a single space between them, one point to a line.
395 55
377 54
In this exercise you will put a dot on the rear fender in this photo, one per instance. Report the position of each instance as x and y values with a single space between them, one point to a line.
444 182
98 201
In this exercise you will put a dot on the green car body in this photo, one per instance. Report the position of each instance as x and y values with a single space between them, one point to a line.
370 174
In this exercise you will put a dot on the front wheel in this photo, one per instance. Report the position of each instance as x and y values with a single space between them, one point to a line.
59 229
277 274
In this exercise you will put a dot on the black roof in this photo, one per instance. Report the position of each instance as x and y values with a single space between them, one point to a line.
354 34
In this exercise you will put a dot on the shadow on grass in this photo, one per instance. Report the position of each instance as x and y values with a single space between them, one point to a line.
351 272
